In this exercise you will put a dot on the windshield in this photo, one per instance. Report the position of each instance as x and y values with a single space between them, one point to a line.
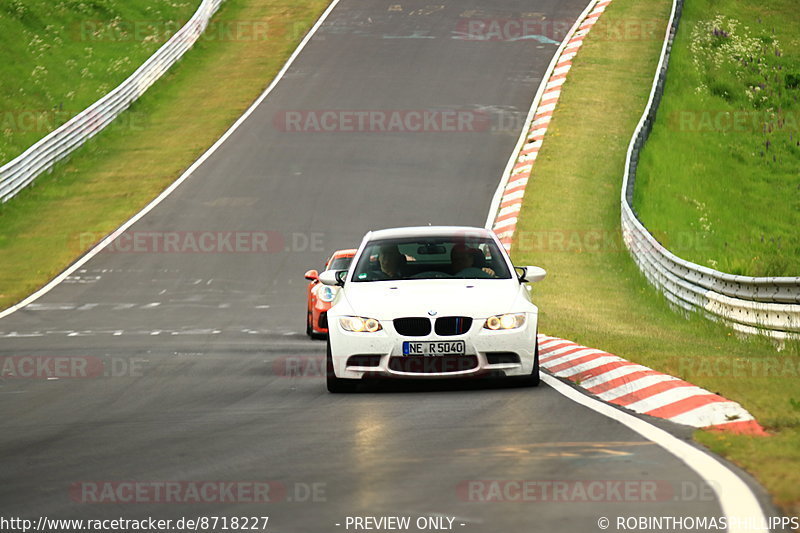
340 263
455 257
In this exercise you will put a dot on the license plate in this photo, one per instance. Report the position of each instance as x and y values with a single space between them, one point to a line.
428 348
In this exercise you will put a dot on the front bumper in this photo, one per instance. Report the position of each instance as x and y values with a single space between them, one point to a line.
319 316
384 353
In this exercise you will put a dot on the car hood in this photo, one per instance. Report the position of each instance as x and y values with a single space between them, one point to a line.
471 297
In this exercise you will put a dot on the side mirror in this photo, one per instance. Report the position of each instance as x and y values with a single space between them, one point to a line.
530 274
311 275
333 277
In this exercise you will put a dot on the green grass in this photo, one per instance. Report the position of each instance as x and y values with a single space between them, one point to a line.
594 293
719 178
116 174
59 56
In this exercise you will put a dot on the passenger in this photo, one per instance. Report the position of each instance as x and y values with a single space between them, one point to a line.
464 260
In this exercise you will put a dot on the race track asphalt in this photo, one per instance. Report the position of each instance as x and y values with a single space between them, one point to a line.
199 345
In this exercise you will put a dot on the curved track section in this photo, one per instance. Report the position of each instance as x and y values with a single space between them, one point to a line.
191 364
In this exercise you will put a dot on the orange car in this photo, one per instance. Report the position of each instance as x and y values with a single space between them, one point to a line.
320 296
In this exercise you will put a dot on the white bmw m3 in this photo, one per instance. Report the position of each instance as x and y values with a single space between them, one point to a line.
431 302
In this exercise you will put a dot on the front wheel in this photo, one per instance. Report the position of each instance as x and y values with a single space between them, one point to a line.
336 385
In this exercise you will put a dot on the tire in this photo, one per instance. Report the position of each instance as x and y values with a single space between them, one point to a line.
337 385
309 329
532 380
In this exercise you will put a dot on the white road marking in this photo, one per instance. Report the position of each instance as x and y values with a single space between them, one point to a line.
15 334
736 499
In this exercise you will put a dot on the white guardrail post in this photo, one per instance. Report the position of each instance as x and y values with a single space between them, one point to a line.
764 305
21 171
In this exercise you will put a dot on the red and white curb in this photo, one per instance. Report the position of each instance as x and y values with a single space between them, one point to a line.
642 389
609 378
505 221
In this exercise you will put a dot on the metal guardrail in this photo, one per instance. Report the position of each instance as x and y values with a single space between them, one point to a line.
40 157
763 305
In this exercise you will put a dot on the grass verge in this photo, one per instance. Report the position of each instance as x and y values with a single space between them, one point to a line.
118 172
595 295
61 56
719 178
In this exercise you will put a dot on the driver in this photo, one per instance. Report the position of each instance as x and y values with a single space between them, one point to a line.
462 259
391 261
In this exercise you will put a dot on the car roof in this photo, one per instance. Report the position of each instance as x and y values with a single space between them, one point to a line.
350 252
428 231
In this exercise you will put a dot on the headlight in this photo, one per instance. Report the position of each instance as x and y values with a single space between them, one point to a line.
360 324
507 321
326 293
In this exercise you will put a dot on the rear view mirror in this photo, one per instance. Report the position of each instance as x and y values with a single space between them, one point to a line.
530 274
311 275
432 249
333 277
